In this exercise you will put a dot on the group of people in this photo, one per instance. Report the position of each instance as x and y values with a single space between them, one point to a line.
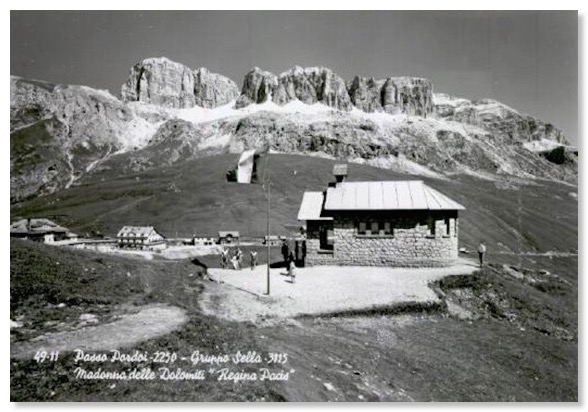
237 259
290 259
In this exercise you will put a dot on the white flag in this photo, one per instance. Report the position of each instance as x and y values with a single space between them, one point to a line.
245 166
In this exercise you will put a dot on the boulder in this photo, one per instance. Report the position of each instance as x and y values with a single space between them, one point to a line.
86 318
14 324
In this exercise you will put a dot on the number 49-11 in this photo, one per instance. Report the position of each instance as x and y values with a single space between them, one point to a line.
42 356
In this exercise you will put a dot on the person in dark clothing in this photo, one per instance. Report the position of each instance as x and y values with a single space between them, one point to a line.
285 252
481 252
253 256
224 258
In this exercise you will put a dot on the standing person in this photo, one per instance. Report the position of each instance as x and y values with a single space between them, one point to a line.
291 257
481 252
224 257
235 262
253 255
292 271
239 257
285 252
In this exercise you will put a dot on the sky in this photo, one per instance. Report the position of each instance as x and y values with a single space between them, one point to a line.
527 60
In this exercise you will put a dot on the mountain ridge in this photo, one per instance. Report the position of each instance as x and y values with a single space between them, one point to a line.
60 133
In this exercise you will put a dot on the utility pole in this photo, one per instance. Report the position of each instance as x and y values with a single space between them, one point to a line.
268 241
520 234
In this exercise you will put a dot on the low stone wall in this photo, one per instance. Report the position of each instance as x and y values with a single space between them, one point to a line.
407 247
314 256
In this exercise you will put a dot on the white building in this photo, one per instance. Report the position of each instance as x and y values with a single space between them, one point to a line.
140 237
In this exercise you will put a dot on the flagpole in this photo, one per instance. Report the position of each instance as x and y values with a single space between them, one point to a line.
268 223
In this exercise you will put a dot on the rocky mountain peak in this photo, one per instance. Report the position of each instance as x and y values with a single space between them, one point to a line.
393 95
313 85
309 85
366 93
212 90
166 83
258 87
60 133
498 118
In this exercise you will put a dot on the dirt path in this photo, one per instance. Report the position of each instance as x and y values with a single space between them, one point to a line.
150 322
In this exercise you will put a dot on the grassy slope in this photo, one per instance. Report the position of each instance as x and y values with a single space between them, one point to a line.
428 359
37 281
392 358
433 358
195 198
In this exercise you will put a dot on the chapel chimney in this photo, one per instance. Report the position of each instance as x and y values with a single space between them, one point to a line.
340 172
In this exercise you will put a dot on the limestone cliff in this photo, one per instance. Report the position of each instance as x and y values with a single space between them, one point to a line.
313 85
258 87
163 82
394 95
308 85
366 94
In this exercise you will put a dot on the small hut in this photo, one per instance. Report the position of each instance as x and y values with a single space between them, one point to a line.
226 237
40 230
